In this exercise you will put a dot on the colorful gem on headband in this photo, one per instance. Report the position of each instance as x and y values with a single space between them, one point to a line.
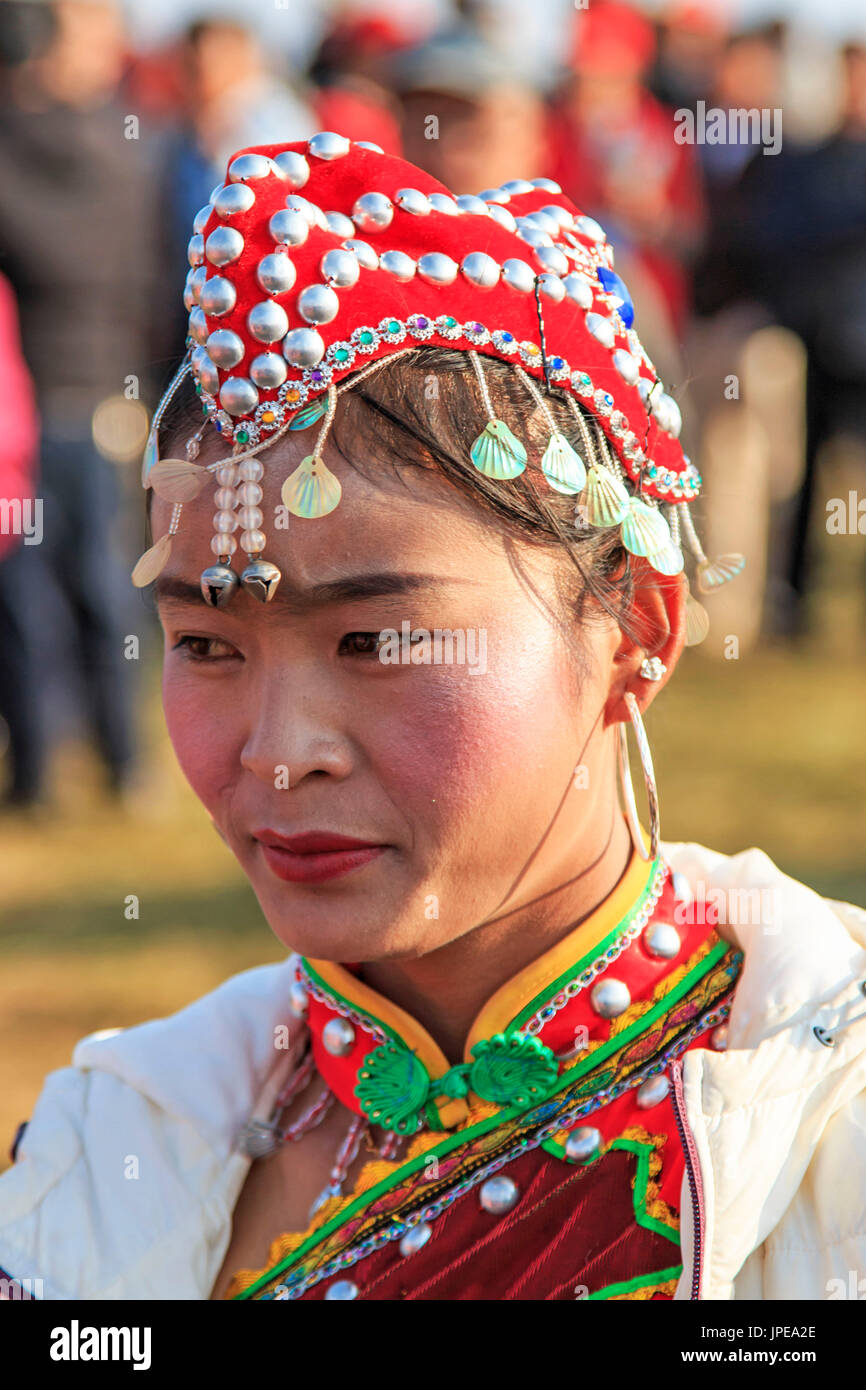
309 415
614 285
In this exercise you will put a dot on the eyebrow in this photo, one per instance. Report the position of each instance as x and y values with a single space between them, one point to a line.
352 587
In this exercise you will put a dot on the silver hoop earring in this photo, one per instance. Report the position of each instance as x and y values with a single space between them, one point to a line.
649 779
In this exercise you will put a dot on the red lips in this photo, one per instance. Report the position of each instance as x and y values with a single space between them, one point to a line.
314 855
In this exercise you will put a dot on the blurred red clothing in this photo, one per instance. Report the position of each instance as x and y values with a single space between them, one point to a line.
20 434
643 187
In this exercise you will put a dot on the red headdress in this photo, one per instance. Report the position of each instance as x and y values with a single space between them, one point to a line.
323 257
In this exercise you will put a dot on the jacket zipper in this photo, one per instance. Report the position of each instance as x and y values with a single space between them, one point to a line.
694 1174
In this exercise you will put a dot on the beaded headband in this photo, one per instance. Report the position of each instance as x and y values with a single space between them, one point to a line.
291 293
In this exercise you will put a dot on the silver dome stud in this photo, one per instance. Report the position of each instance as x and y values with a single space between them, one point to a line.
268 371
340 224
653 1092
215 191
518 275
667 412
437 268
441 202
414 201
681 886
268 321
276 273
502 216
363 253
469 202
299 999
198 329
205 371
547 185
398 264
303 347
552 259
578 288
588 227
373 212
292 167
289 228
218 296
627 365
515 186
533 236
318 304
188 300
415 1239
313 214
340 268
369 145
561 216
719 1038
218 584
260 579
224 245
495 195
582 1143
225 348
238 396
544 221
197 278
601 329
235 198
498 1195
481 269
342 1291
200 220
610 998
338 1037
552 286
249 166
195 250
662 940
328 145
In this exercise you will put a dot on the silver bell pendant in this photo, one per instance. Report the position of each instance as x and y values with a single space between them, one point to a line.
218 584
260 578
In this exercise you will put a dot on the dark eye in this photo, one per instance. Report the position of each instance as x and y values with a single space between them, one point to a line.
361 644
204 648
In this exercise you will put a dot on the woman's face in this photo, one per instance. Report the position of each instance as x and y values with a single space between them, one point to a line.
460 774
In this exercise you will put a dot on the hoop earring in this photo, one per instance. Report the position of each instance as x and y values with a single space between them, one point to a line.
649 779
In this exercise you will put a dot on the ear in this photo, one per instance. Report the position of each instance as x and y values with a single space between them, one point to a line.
657 618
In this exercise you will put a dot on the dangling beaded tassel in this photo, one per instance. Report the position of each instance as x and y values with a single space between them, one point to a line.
151 448
346 1155
390 1144
154 560
561 465
711 574
262 1137
496 453
219 582
310 1118
313 490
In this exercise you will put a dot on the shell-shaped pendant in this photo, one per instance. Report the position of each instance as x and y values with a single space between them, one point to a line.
562 467
309 415
644 530
606 500
670 560
152 562
713 573
497 453
312 490
697 622
149 458
176 480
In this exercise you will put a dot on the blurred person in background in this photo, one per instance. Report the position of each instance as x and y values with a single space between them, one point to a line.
78 242
468 119
613 150
349 73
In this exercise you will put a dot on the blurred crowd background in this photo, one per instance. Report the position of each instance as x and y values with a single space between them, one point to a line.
748 270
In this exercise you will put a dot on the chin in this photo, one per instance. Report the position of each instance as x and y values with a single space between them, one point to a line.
343 933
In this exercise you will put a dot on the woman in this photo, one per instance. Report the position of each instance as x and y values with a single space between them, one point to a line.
519 1050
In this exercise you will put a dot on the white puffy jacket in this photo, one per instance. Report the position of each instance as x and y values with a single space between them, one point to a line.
127 1175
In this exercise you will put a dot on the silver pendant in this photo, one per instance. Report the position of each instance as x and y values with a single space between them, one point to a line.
260 578
218 584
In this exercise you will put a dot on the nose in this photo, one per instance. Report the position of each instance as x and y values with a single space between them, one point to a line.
296 731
